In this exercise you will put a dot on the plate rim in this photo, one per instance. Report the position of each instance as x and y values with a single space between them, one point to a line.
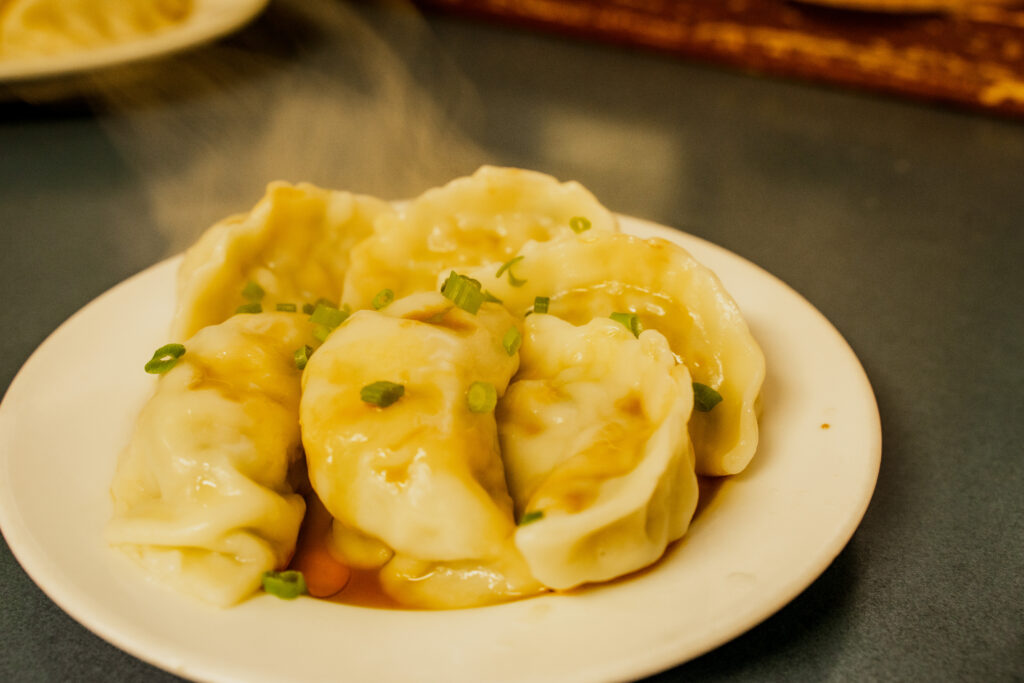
33 559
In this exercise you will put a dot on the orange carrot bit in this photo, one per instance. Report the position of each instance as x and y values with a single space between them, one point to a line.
324 575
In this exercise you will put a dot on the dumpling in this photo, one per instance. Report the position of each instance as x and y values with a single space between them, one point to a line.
424 474
593 435
418 483
594 274
295 244
202 495
483 218
32 28
459 583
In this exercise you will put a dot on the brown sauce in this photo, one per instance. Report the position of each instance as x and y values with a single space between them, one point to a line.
364 589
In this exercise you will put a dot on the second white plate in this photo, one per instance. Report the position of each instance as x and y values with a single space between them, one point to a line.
210 19
765 535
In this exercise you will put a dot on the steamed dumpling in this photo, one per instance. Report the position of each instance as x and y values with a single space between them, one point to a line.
33 28
459 583
585 471
483 218
423 474
595 274
593 434
295 244
201 495
418 483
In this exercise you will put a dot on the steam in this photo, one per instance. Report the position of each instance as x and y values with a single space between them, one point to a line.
207 129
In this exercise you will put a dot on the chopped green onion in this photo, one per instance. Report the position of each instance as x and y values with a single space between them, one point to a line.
302 355
383 298
381 393
490 297
287 308
164 358
507 266
579 224
463 291
531 516
327 316
704 397
481 397
253 292
540 304
251 307
630 320
309 309
285 585
511 341
447 280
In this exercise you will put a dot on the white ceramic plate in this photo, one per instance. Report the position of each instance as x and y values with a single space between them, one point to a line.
765 535
210 19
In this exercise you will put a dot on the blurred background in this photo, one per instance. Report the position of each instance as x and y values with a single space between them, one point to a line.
869 153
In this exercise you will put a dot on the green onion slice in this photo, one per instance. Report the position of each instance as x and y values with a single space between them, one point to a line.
302 355
253 292
463 291
381 394
251 307
482 397
579 224
285 585
165 358
630 320
507 266
704 397
511 341
540 304
310 309
490 297
531 516
383 298
287 308
328 316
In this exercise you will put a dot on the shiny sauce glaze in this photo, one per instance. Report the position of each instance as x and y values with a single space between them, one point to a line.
362 588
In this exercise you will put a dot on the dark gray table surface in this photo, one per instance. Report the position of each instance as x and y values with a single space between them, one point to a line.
901 222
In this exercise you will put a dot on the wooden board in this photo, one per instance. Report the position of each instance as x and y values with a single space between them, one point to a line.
969 53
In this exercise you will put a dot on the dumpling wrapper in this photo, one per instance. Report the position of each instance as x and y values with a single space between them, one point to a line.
418 484
201 495
593 435
33 28
460 583
595 274
483 218
423 474
295 243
